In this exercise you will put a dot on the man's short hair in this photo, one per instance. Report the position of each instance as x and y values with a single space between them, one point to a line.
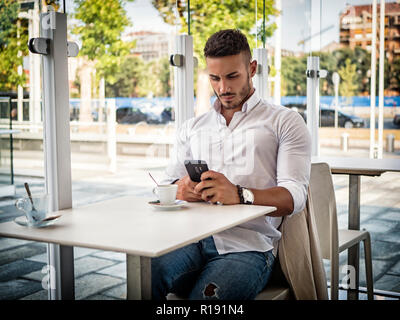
227 42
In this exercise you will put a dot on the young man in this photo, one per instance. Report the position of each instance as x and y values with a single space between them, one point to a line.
257 153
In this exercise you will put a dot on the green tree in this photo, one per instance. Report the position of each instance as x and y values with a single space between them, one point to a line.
294 81
211 16
100 26
155 80
13 39
394 76
293 70
128 79
362 59
348 75
138 78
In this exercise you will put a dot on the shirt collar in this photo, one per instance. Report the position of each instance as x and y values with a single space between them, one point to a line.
247 106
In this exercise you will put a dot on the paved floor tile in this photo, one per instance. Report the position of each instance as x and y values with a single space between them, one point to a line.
18 268
395 270
382 250
78 253
8 243
117 256
36 275
118 292
16 289
14 254
81 252
379 268
387 283
118 270
392 215
89 264
39 295
378 226
393 237
39 258
100 297
93 283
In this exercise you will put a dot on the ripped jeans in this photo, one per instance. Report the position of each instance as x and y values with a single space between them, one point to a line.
198 272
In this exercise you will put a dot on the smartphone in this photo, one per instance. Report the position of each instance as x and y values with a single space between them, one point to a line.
195 168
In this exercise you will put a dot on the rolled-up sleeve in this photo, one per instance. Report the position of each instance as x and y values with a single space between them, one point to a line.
294 158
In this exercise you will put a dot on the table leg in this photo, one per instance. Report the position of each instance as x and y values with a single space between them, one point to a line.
353 254
138 277
62 277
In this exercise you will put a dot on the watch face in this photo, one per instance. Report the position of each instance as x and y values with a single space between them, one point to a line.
248 195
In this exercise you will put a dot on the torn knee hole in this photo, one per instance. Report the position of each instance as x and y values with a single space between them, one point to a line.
209 290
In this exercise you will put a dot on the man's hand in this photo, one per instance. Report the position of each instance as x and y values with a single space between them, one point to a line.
186 190
215 187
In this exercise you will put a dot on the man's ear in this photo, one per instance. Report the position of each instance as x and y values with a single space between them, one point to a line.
253 67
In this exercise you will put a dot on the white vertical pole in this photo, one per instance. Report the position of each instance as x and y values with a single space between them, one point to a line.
336 81
381 77
256 24
260 79
313 102
20 90
57 146
111 135
277 62
35 112
373 84
102 99
184 93
36 67
32 84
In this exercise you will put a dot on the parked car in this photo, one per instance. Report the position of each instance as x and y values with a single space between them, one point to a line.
300 107
166 115
74 112
396 119
129 114
327 119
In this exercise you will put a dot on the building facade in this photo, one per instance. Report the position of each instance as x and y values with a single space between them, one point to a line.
150 45
356 28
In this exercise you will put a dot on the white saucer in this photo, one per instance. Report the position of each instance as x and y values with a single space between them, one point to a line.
177 205
22 221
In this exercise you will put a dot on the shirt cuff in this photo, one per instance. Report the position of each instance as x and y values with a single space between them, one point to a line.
299 195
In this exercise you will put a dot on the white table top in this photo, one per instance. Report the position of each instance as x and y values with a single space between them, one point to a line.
129 224
362 166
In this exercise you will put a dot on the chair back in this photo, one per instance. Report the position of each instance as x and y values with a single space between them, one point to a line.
324 206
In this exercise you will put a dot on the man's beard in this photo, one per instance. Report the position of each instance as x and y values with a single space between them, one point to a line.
243 95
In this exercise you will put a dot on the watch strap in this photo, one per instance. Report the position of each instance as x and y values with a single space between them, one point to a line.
240 193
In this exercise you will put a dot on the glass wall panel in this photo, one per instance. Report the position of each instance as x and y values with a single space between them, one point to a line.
22 152
345 51
296 41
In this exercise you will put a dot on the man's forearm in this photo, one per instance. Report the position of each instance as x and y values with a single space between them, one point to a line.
278 197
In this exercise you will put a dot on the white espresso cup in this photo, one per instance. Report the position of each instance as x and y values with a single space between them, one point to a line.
166 193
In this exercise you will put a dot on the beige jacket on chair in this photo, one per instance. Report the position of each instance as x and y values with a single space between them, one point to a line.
300 257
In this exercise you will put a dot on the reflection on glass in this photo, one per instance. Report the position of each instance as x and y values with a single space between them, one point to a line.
346 50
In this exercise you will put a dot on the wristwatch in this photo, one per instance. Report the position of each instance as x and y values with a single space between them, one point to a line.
246 196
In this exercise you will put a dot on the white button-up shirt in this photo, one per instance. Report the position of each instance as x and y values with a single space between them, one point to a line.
263 146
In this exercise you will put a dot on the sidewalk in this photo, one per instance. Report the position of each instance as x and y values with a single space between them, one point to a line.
101 274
